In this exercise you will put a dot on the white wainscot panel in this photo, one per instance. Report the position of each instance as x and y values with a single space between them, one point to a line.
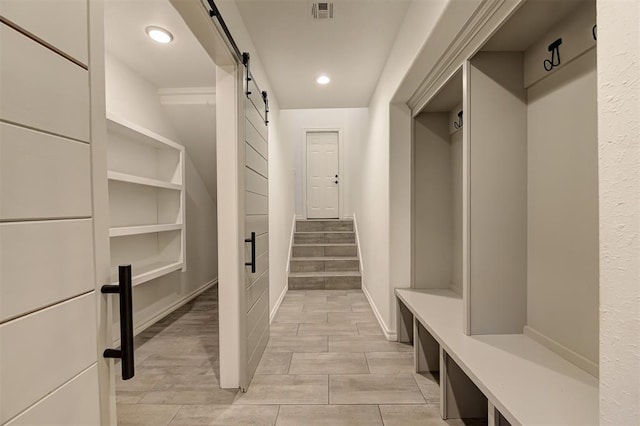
41 89
76 403
61 23
42 351
42 176
42 263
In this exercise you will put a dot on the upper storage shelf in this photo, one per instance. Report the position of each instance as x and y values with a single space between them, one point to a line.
138 155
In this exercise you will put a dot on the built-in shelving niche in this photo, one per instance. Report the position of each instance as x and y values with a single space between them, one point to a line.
146 201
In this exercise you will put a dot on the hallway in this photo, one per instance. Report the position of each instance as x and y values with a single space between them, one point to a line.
327 363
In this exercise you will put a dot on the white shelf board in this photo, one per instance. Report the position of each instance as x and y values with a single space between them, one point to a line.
138 133
527 382
148 271
143 229
124 177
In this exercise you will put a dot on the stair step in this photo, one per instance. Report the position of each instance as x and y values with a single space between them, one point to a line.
325 280
324 237
328 264
323 249
320 225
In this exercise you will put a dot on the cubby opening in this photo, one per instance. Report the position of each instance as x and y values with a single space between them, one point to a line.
462 398
534 180
437 191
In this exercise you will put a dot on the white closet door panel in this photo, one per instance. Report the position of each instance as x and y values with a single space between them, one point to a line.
254 358
76 403
256 183
255 139
257 323
254 118
41 89
43 263
256 204
42 176
39 352
256 223
255 290
61 23
256 162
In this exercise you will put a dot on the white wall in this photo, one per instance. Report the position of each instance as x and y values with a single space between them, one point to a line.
281 188
619 162
130 96
385 245
352 122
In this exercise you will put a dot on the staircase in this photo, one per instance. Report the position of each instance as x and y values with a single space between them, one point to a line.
324 256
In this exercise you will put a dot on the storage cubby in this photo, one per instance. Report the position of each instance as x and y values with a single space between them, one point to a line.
437 191
462 399
146 201
532 136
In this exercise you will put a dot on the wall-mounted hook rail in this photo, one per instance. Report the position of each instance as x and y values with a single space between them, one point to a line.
458 124
554 48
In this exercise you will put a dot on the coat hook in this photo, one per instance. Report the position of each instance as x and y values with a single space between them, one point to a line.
594 32
458 124
554 48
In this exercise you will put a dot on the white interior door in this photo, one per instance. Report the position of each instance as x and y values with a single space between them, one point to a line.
323 180
49 356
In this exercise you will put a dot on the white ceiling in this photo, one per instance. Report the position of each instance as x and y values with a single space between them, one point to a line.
181 63
294 48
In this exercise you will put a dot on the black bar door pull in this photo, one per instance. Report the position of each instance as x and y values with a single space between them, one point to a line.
252 240
125 353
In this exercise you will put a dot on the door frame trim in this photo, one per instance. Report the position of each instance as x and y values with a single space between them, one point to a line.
342 186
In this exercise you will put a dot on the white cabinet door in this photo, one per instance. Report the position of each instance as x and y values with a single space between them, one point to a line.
323 181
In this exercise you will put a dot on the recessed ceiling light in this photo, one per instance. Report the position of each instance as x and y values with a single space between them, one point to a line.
323 79
159 34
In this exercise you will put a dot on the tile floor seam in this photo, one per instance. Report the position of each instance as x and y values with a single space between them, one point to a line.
174 416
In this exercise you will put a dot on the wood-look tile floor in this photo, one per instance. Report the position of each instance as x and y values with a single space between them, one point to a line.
326 363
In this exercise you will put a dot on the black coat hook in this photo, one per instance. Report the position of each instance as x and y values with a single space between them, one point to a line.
554 48
594 32
458 124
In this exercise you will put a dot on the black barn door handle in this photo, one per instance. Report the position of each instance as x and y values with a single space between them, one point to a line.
252 240
125 353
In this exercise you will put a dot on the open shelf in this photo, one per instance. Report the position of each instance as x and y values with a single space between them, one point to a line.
124 177
144 229
144 272
146 200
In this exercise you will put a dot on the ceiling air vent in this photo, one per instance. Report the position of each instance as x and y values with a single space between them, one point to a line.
322 10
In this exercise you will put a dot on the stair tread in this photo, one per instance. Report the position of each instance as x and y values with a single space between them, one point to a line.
325 232
324 244
325 274
320 258
325 220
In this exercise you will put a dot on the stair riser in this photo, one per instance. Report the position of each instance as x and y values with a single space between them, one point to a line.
325 238
320 251
324 265
325 283
322 226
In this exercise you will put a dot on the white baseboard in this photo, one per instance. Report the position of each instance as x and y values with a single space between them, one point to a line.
390 335
274 311
178 304
566 353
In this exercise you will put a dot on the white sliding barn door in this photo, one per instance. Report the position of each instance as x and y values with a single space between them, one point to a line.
323 182
50 359
256 225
